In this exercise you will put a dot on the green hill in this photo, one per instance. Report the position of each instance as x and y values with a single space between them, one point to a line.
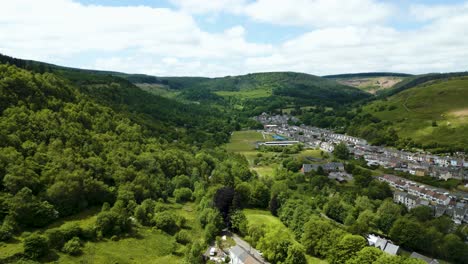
302 87
434 114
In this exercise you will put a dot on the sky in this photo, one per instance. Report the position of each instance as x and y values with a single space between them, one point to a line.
231 37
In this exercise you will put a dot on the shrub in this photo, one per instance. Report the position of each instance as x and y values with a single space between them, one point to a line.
165 221
182 237
55 237
35 246
183 195
72 247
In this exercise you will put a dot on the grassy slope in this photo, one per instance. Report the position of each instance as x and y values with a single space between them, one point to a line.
265 217
443 101
149 246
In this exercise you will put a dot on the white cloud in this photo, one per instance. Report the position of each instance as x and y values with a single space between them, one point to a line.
430 12
54 30
319 13
210 6
351 37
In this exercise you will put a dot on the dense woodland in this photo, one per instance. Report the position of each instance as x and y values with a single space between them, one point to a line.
71 140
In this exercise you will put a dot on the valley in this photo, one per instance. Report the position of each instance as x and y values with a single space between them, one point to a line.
154 168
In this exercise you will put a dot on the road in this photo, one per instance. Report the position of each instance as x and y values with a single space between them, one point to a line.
247 247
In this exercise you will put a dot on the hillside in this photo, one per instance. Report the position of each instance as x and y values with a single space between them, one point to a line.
370 82
433 114
200 124
288 84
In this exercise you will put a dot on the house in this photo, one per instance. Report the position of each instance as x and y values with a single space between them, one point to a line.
383 244
424 258
329 167
442 199
340 176
410 201
239 256
460 213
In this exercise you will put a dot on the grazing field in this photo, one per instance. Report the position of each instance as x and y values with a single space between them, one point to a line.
431 113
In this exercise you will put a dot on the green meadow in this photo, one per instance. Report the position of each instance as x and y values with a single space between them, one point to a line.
146 245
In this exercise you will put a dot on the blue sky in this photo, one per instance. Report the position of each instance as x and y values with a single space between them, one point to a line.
229 37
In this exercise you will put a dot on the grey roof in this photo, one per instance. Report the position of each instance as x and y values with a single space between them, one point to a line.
243 255
381 243
391 248
237 251
424 258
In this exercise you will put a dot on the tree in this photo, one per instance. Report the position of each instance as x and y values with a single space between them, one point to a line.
365 222
194 254
238 222
242 195
407 232
274 205
35 246
454 249
182 237
223 200
341 151
165 221
296 255
183 194
210 232
422 213
387 214
367 255
29 211
274 245
314 231
388 259
347 248
363 179
72 247
260 195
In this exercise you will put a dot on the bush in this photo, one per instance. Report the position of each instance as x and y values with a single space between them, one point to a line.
182 237
36 246
165 221
183 195
55 237
72 247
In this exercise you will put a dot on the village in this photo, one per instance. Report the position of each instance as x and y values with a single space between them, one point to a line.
406 192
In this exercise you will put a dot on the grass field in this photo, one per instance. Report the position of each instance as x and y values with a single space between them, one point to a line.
264 217
147 246
243 142
414 110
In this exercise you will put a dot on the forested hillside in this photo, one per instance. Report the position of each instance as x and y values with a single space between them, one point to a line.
63 151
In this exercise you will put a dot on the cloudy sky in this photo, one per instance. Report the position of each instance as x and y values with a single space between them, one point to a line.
230 37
